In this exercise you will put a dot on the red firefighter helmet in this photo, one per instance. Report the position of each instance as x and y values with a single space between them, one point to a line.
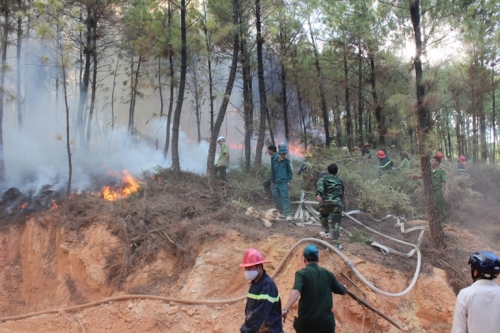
355 148
253 257
439 155
367 145
380 154
461 159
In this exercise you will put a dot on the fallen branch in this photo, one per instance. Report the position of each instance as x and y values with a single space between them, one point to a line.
364 303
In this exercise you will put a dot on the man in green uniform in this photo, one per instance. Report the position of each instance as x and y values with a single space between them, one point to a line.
330 189
438 182
281 179
271 150
314 286
405 162
223 161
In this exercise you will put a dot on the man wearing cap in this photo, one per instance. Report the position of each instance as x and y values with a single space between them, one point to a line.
271 150
366 151
405 162
281 179
223 161
263 308
314 286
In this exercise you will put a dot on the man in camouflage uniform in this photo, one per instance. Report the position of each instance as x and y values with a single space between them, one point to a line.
330 190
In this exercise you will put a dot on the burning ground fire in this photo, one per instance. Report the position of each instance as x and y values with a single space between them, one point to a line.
14 201
128 186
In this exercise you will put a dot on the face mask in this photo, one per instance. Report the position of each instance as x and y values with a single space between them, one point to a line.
251 275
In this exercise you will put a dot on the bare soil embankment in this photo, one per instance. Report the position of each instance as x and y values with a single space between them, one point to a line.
172 240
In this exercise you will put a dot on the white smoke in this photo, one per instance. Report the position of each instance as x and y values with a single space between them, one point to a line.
36 156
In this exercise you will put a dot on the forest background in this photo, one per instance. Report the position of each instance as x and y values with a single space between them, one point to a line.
310 73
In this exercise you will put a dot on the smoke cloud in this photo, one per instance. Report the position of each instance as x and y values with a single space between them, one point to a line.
37 156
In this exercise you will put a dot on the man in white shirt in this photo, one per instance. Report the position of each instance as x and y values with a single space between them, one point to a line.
477 309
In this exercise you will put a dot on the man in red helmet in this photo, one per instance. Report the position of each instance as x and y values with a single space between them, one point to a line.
366 151
263 308
385 164
461 165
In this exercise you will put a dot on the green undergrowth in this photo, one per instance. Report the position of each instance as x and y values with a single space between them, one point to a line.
395 193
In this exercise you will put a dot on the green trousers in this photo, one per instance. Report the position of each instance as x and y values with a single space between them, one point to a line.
324 211
281 198
438 194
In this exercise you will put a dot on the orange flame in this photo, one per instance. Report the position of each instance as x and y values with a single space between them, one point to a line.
130 186
236 146
54 205
24 205
295 150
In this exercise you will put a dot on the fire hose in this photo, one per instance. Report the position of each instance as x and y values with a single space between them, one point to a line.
241 298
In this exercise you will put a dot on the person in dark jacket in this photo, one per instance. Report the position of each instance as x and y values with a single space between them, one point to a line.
263 308
329 193
314 286
385 164
271 150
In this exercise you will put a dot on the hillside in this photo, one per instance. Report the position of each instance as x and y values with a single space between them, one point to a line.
172 240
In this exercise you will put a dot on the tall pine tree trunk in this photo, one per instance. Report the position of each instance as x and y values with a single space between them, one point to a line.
423 128
264 112
382 129
326 118
283 82
493 113
302 117
133 93
94 84
247 96
5 40
209 64
360 96
225 101
348 117
172 82
337 122
160 90
197 106
84 82
180 95
18 67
